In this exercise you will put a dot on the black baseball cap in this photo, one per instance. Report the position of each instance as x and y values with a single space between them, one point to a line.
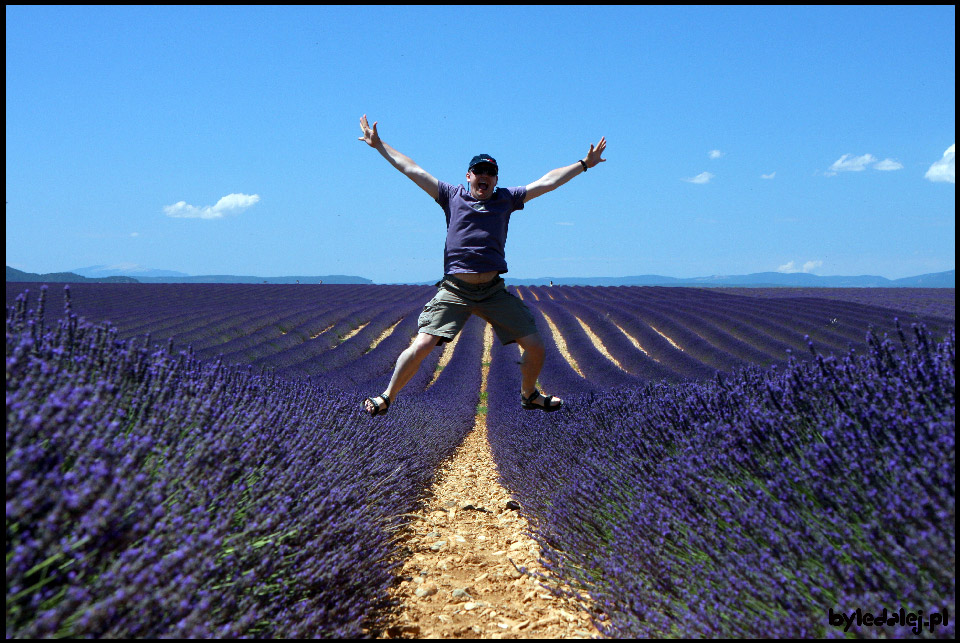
482 158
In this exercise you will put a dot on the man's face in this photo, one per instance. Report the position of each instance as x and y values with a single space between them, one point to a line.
483 179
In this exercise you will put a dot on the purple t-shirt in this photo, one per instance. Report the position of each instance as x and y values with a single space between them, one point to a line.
477 230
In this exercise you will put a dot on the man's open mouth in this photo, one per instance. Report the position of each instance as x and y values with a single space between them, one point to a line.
483 185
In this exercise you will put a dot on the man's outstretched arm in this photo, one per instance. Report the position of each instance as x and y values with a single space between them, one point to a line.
555 178
403 163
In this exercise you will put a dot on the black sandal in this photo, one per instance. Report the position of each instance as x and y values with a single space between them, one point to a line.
377 408
547 406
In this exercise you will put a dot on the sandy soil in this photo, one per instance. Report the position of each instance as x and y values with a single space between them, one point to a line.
461 578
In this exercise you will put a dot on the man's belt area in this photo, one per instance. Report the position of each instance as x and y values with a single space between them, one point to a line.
466 289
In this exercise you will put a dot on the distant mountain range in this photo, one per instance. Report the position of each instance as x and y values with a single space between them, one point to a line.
132 273
756 280
152 276
127 270
63 277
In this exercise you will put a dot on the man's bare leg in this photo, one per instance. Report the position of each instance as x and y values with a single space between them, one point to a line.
531 364
407 366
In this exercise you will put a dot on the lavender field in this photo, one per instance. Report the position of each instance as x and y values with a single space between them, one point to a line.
936 302
190 460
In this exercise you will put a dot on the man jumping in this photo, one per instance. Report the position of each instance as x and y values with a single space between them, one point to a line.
473 258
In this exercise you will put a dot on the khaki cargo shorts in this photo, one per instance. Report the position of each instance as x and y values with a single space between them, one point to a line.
445 314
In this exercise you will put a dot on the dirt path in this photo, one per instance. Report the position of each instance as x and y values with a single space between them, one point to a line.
461 578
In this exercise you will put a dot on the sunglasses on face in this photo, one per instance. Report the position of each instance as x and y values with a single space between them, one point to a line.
485 170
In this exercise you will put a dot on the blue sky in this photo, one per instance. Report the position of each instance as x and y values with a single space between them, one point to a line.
223 140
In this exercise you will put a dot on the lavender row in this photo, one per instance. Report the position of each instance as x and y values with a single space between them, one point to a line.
915 304
292 323
675 330
637 362
844 320
289 329
596 368
694 321
322 327
685 365
308 363
848 319
371 371
150 494
305 357
281 326
697 358
271 320
768 498
920 302
758 340
757 326
381 360
786 328
142 308
721 332
460 376
207 315
832 311
557 377
837 325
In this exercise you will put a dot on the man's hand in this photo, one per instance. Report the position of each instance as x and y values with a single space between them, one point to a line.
593 156
370 136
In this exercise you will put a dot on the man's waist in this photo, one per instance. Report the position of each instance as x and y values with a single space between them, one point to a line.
475 278
467 290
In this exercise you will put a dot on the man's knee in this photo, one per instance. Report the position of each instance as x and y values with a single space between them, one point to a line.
423 344
533 345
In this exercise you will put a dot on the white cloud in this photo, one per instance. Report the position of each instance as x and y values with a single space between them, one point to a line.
715 154
887 165
227 205
943 170
703 177
808 266
768 176
851 163
134 234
